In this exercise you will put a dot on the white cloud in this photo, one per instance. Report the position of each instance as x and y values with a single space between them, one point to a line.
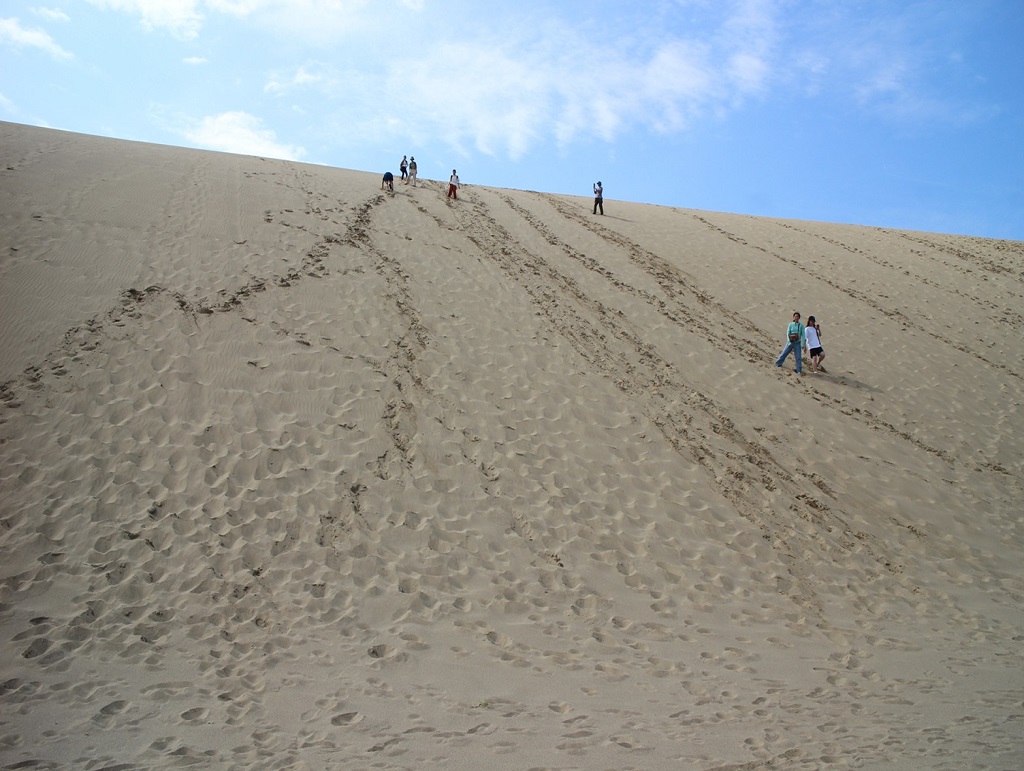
52 14
511 86
889 61
305 76
747 72
239 7
505 87
473 93
318 22
673 86
504 81
179 17
242 133
12 33
308 10
195 60
509 96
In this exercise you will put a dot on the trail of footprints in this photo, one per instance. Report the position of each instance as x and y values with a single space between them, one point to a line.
607 341
869 300
699 429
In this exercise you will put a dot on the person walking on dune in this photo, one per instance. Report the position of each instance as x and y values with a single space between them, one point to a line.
598 198
812 338
412 171
794 343
404 168
453 186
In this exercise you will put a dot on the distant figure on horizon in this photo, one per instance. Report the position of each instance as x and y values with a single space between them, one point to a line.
453 186
812 338
404 167
598 198
388 181
794 343
412 171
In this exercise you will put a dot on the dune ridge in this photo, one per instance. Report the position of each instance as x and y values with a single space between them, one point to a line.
300 474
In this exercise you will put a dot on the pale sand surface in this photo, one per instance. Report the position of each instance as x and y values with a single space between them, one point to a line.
297 474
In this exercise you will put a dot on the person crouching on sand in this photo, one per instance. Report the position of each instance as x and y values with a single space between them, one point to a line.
388 181
812 338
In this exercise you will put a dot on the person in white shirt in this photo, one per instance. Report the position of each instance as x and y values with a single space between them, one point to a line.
812 339
598 198
453 186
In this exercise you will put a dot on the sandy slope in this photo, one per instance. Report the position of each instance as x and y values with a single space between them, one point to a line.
298 474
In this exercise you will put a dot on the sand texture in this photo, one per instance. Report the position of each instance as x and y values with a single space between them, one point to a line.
297 474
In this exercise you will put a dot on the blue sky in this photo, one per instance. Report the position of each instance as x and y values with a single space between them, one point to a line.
872 112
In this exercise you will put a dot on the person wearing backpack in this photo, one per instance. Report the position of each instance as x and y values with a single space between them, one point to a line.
404 168
794 343
412 171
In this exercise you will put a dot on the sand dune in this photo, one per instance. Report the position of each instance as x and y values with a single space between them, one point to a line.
299 474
